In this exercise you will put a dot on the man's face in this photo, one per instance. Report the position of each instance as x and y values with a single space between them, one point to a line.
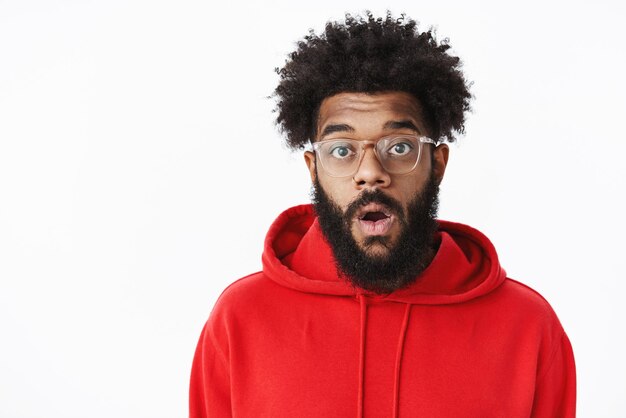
370 117
379 210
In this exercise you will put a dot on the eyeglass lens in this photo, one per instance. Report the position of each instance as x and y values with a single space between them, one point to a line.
397 155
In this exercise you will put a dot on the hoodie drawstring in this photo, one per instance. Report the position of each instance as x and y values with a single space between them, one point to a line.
363 304
396 385
398 366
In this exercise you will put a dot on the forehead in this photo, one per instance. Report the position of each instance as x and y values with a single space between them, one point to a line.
363 111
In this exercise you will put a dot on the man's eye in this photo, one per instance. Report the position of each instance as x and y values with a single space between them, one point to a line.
401 148
341 152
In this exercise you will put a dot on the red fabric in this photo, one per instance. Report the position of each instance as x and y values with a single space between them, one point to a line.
296 340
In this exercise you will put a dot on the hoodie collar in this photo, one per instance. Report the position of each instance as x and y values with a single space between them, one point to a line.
298 256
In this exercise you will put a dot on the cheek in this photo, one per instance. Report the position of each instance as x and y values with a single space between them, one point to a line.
339 190
342 199
409 187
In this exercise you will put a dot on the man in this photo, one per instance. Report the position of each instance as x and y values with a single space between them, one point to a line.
367 305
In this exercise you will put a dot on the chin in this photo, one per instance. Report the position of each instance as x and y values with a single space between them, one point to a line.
377 252
377 247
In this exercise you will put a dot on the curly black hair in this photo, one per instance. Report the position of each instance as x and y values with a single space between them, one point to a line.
369 55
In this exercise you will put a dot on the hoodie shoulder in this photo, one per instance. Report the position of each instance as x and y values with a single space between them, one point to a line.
526 294
243 290
529 307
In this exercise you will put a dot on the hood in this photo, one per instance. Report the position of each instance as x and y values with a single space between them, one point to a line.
297 256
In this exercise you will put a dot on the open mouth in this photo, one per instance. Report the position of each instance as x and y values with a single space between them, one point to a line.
374 219
374 216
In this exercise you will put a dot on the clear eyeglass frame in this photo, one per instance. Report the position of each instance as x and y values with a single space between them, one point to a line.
349 168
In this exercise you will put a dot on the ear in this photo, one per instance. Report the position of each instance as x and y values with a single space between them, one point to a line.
309 158
440 161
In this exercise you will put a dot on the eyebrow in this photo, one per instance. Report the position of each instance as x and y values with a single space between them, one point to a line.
401 124
340 127
393 124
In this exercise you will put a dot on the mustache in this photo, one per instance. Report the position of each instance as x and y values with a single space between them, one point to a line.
374 196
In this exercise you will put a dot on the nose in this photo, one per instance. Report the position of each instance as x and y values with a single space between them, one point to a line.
370 172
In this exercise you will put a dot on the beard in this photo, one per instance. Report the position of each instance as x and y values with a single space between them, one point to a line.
401 261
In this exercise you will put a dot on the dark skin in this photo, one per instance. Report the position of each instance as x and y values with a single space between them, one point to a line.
362 116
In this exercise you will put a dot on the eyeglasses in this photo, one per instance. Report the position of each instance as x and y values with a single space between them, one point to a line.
398 154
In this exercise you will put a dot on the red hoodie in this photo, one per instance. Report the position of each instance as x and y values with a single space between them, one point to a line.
297 340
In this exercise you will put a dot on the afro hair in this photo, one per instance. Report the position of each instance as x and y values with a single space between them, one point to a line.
369 55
